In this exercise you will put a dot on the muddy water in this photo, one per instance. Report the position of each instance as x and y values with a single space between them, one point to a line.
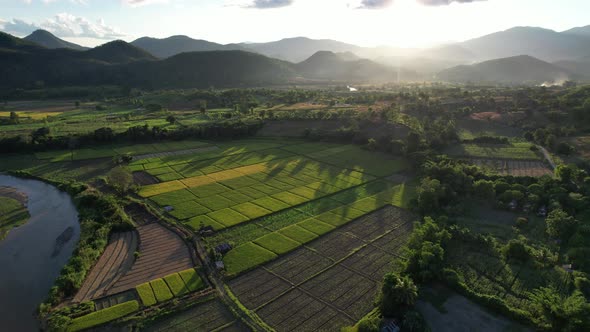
32 255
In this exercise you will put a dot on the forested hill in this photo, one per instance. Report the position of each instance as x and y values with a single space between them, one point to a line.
25 65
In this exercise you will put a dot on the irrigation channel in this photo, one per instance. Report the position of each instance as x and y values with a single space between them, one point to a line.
32 255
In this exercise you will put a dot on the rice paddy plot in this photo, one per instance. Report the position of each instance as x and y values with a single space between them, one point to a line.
517 151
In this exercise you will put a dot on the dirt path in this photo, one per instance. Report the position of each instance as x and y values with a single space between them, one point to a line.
547 157
116 260
161 252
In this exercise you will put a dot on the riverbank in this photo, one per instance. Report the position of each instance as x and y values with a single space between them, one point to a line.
13 210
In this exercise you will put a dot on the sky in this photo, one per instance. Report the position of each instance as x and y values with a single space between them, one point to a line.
398 23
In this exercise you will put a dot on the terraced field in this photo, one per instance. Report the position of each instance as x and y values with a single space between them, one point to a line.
330 282
162 252
208 316
115 261
244 184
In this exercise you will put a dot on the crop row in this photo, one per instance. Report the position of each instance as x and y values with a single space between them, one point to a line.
103 316
173 285
398 196
228 198
286 239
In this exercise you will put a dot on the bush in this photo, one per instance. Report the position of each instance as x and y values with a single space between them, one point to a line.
516 249
414 322
369 324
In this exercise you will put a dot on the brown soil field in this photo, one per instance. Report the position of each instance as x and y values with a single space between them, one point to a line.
514 167
115 261
329 283
493 116
161 252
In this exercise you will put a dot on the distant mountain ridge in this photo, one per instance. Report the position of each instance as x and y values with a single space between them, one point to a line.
544 44
47 39
334 66
512 70
167 47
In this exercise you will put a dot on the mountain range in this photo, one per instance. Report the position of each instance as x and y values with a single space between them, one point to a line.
517 55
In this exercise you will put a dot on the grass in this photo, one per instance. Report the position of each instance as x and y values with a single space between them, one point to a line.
161 290
245 257
173 197
188 209
271 204
176 284
250 210
228 217
160 188
289 198
277 243
215 202
315 226
103 316
12 214
201 221
192 280
146 294
298 233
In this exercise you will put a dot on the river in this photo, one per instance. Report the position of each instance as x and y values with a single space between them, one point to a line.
31 256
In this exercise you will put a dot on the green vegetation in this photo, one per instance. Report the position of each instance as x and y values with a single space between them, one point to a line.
146 294
493 151
245 257
103 316
176 285
192 280
161 290
12 214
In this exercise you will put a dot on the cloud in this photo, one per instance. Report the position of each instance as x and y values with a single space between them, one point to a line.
267 4
67 25
443 2
375 4
139 3
18 27
64 25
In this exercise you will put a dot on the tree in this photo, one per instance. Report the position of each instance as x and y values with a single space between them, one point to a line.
516 249
120 178
398 294
429 195
560 312
567 173
171 119
484 189
412 142
39 135
372 144
560 224
14 117
426 253
203 106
